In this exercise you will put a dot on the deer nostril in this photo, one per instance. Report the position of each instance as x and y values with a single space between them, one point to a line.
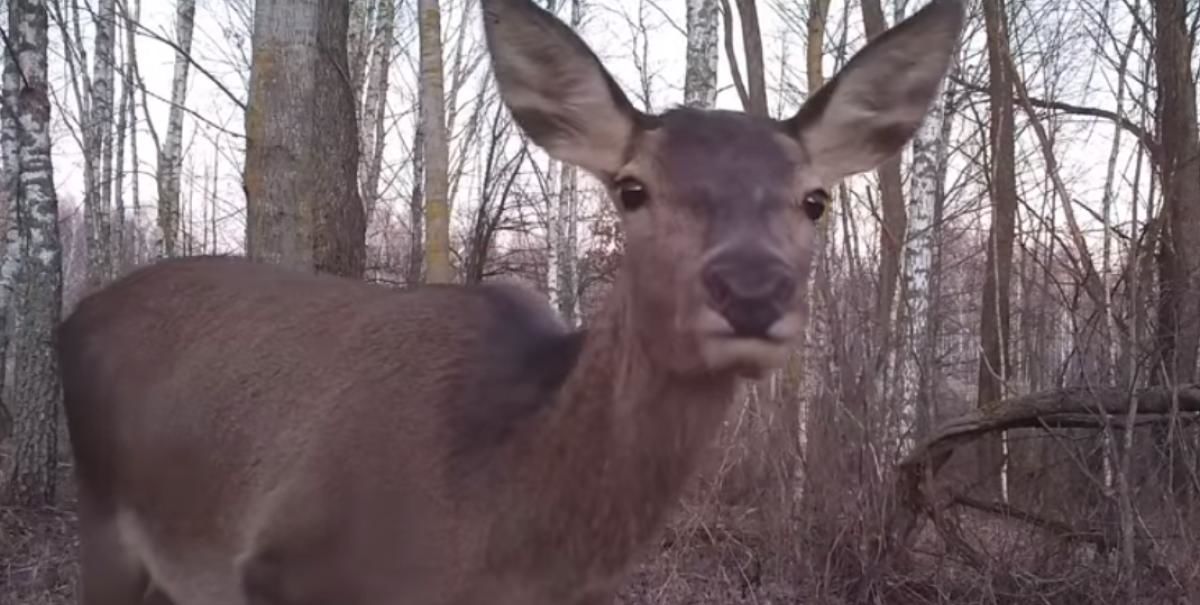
751 294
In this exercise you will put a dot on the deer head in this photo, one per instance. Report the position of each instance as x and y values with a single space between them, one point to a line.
719 208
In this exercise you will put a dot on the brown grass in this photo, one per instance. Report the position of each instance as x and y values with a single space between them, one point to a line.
37 557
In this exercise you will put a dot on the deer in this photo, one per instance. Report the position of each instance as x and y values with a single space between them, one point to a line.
248 434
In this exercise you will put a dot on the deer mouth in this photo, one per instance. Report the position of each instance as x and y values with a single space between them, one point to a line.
724 347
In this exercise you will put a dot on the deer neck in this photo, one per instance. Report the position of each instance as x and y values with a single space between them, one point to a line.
619 445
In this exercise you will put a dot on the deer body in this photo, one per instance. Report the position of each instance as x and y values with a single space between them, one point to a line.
246 434
478 375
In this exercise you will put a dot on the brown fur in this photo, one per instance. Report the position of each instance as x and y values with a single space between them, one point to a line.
246 434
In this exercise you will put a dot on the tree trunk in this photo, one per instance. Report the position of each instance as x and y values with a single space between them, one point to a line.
814 51
918 357
38 292
756 78
437 207
170 162
1179 246
120 249
700 75
382 45
891 236
994 314
302 204
568 215
416 203
1179 250
133 15
98 197
358 44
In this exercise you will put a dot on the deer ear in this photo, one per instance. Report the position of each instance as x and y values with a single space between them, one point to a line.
556 88
874 105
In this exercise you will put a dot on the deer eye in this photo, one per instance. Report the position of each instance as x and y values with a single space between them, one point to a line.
814 203
632 193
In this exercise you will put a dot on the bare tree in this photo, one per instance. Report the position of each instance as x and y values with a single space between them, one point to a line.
383 44
170 163
1179 250
436 157
303 207
416 203
994 311
34 291
918 355
98 197
756 78
700 75
358 42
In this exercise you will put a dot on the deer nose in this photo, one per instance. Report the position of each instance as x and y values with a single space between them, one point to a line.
750 292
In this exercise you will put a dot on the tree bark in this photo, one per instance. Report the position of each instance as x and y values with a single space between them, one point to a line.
37 293
170 161
919 355
416 203
814 50
994 315
756 77
1179 249
383 44
358 44
98 197
303 208
700 75
437 207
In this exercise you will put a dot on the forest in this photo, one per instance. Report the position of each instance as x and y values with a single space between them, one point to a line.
997 393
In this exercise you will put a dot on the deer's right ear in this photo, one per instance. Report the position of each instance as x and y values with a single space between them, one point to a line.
556 88
870 110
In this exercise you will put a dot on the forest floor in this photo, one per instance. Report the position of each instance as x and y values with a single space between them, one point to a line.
39 566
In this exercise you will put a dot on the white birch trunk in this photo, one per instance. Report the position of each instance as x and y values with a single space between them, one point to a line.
700 75
928 151
567 235
133 11
358 45
371 159
553 230
98 196
170 162
35 388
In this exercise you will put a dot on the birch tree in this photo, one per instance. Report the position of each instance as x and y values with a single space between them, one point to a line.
700 75
358 42
567 223
32 276
437 161
925 189
375 104
416 202
98 197
169 157
170 162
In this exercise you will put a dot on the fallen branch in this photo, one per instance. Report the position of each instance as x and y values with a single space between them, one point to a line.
1079 407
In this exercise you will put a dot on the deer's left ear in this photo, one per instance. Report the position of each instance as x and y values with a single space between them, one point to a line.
556 88
872 108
